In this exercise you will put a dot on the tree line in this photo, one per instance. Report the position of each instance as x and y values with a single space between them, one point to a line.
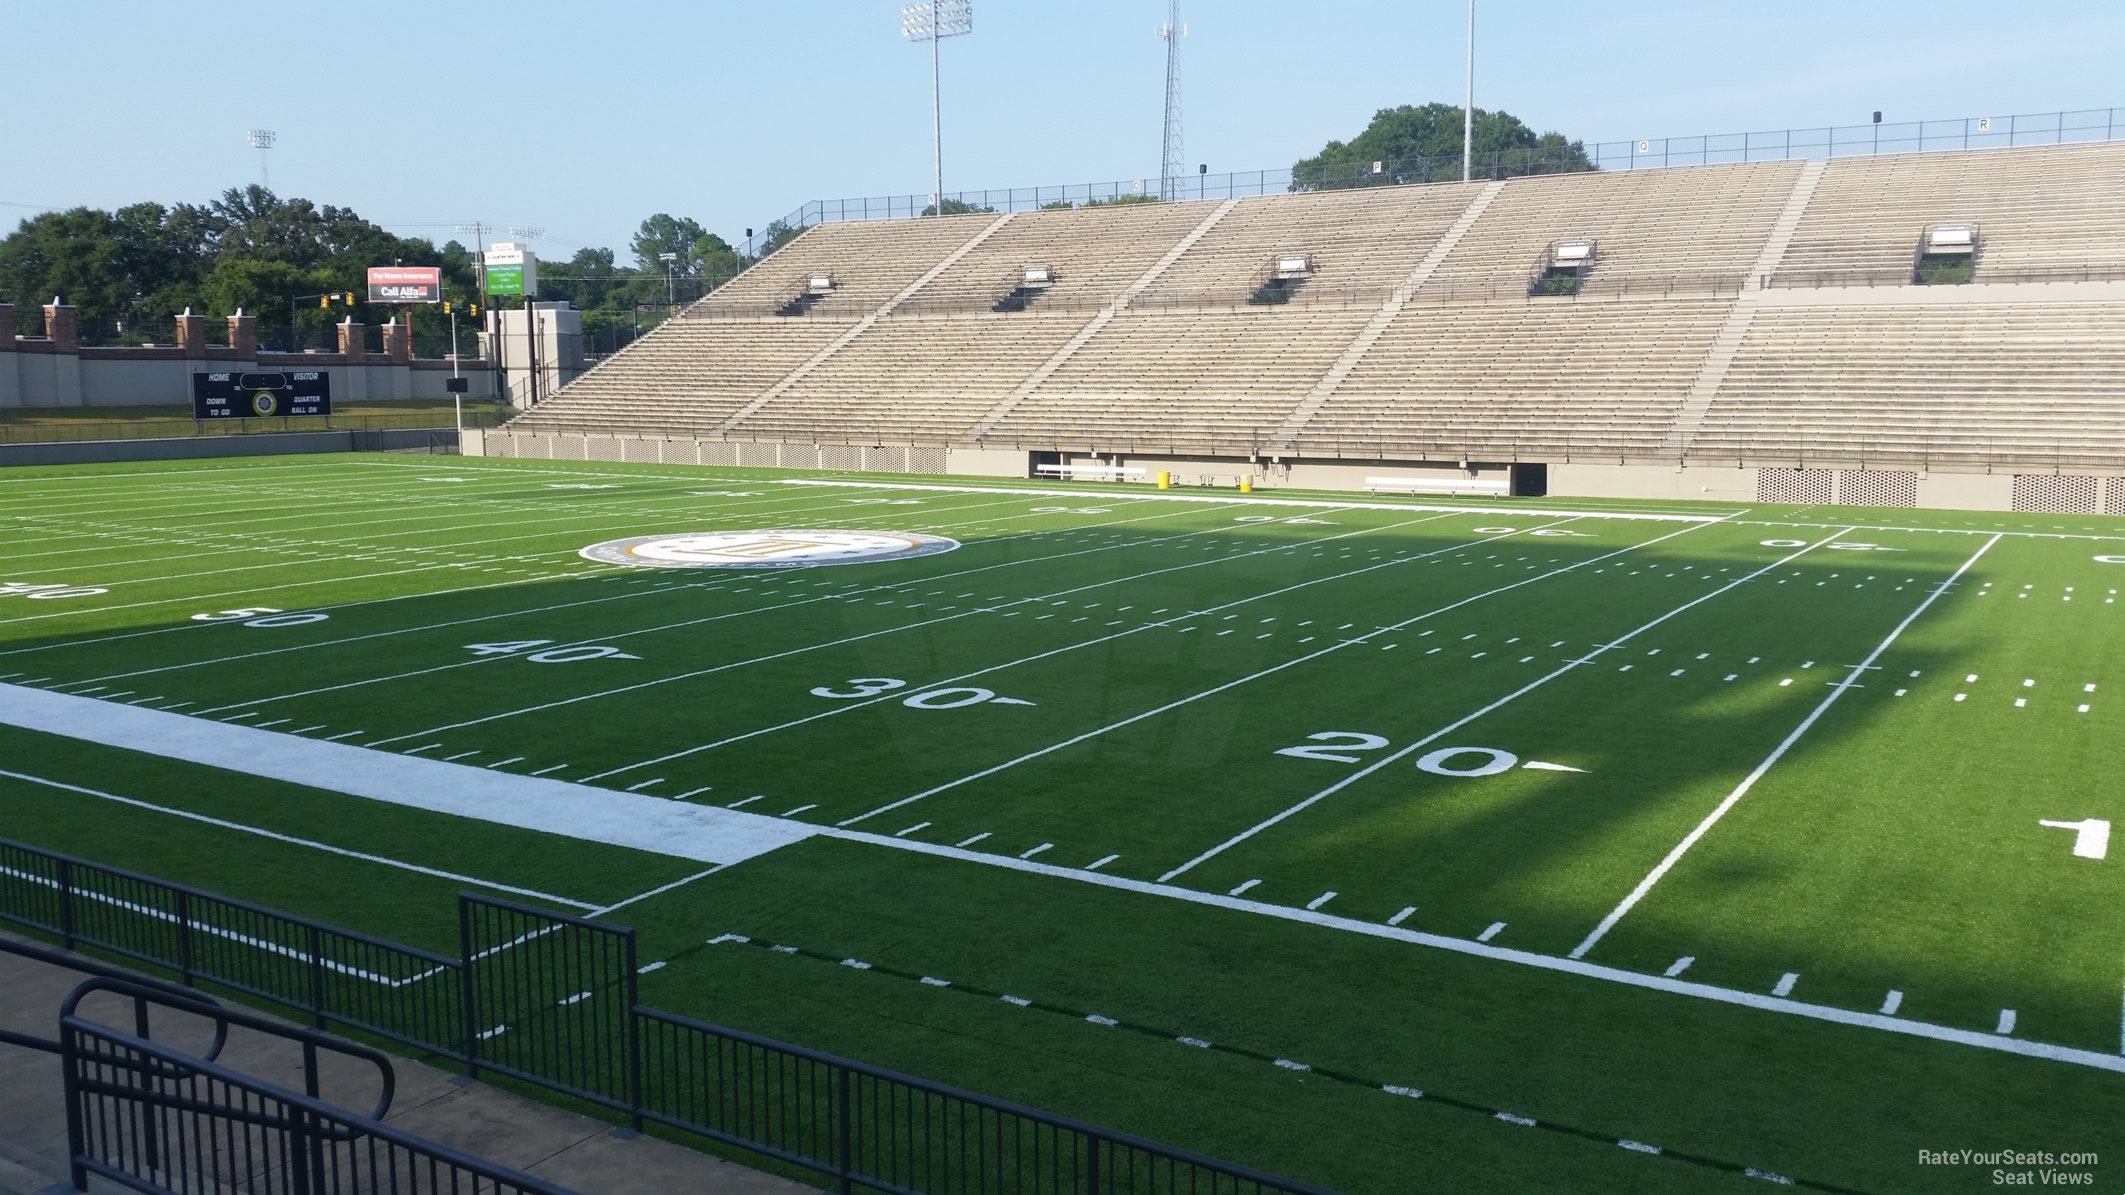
128 272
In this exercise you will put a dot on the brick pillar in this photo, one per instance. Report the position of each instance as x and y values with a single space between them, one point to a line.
350 340
243 335
398 341
7 328
63 325
192 334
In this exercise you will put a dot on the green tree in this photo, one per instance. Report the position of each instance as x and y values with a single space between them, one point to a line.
1423 144
957 207
77 254
1120 200
663 233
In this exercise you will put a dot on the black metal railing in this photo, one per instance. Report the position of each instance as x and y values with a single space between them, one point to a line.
148 1116
553 1000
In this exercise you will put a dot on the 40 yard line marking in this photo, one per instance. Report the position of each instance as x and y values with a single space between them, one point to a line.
1457 724
1741 790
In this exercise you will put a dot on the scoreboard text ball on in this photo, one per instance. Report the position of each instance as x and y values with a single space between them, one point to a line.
261 394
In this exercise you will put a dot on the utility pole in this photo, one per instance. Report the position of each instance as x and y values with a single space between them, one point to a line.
1468 99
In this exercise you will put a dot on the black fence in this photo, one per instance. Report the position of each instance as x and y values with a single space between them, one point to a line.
145 1115
552 1000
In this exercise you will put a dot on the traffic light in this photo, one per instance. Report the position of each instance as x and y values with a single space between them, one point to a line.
475 311
350 298
446 307
324 301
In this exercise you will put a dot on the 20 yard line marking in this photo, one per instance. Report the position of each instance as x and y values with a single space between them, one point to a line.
1269 671
1741 790
1500 703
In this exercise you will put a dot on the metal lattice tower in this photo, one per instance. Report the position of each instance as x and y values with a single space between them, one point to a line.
1173 168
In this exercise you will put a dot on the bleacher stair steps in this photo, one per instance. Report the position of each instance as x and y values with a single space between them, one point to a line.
834 346
1326 387
1098 321
1736 329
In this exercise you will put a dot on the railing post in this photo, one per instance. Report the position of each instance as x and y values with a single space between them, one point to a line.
469 1008
634 1037
844 1148
1092 1163
66 912
184 935
317 977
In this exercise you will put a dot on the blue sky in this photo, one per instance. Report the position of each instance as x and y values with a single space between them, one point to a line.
583 118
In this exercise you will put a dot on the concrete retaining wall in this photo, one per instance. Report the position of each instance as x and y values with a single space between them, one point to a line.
84 452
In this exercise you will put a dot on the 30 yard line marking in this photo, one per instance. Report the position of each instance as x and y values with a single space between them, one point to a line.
1500 703
1250 677
1741 790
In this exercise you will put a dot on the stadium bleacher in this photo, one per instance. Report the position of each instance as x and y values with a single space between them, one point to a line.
1716 322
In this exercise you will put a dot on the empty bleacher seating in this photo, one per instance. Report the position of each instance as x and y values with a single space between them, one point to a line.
2035 383
1673 346
2048 212
1701 227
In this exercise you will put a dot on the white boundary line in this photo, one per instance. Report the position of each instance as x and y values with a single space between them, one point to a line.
1741 790
1499 511
290 839
1981 1039
1458 723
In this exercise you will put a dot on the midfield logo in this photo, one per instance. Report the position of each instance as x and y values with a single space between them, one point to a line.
767 548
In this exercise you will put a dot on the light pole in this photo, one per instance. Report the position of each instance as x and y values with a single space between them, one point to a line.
262 140
933 21
671 297
1468 99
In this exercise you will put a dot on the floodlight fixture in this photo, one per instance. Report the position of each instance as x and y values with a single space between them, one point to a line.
932 21
262 140
526 232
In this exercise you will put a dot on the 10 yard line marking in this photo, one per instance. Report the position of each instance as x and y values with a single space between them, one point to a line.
1515 695
1741 790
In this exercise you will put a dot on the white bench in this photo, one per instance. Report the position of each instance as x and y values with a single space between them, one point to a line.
1090 472
1475 486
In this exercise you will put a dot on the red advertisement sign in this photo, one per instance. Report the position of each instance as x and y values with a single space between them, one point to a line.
405 284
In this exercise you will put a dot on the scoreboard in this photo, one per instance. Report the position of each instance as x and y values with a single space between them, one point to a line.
235 394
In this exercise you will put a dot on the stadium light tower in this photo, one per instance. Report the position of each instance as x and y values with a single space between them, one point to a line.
262 140
1172 158
1468 98
933 21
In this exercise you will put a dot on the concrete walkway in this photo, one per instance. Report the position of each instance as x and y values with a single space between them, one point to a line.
545 1142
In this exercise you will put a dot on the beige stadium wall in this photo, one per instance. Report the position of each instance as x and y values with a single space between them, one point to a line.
1705 483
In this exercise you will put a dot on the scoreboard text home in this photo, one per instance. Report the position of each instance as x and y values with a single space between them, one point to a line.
261 394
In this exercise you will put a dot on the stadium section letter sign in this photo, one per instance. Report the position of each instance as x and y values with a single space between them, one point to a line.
261 393
405 284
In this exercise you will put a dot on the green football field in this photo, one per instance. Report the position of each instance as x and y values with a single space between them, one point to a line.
1391 844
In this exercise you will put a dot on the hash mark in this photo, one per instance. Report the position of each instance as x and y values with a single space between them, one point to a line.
1402 916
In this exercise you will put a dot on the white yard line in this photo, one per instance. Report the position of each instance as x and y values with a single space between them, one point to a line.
1272 670
291 840
842 642
1754 1000
1500 703
1852 675
657 891
708 585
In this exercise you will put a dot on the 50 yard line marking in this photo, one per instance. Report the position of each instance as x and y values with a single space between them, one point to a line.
1741 790
1457 724
831 595
700 672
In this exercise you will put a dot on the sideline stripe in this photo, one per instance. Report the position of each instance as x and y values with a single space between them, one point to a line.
1502 511
705 833
1982 1039
1741 790
241 828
